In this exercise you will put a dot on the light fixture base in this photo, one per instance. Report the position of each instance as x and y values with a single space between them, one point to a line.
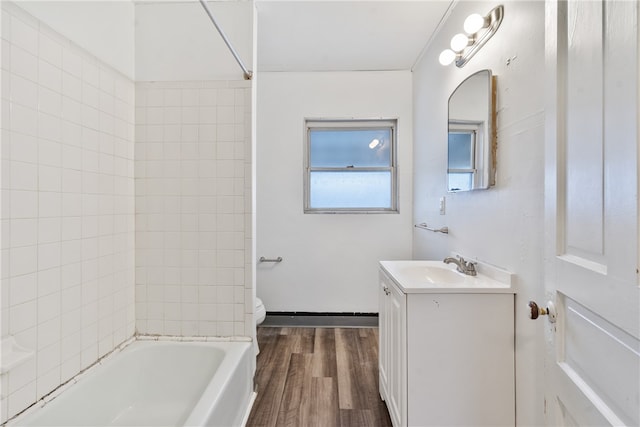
495 19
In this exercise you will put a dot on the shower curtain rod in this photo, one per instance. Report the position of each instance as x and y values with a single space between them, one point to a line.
247 73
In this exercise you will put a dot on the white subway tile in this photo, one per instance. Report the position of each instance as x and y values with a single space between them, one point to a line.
24 64
23 120
21 399
48 381
49 76
189 97
49 204
225 329
22 317
24 176
89 352
107 81
225 115
90 73
24 148
208 115
49 281
208 97
49 230
23 260
22 375
49 153
71 133
23 288
238 315
189 133
23 91
125 90
71 275
172 97
71 300
71 207
49 178
71 252
71 110
90 95
72 225
71 174
49 127
155 98
49 102
48 256
225 134
106 103
71 86
70 367
90 117
48 330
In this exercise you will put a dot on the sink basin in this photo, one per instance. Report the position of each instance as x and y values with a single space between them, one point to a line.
436 276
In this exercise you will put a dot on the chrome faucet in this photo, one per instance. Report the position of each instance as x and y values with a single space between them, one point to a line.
464 267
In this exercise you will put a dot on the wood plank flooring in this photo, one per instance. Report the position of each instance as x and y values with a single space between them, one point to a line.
318 377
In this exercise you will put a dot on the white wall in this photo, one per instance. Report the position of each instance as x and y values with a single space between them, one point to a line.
67 207
330 261
177 41
104 28
502 225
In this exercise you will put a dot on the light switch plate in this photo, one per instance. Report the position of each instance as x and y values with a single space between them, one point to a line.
442 205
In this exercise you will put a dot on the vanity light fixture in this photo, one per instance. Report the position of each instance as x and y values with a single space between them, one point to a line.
479 29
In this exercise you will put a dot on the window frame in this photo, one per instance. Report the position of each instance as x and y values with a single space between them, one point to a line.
311 124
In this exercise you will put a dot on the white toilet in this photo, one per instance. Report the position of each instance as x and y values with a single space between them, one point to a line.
260 312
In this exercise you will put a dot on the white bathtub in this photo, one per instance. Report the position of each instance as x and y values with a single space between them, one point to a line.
157 383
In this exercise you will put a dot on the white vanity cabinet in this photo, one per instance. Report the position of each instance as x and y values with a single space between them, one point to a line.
391 354
446 355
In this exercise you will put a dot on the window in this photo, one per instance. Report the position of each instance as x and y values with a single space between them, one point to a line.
350 166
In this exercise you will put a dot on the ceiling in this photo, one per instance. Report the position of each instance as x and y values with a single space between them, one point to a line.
345 35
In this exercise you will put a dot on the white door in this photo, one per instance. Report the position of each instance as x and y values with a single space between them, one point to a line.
592 366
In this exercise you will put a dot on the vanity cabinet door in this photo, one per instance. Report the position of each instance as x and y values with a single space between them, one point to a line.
383 336
393 356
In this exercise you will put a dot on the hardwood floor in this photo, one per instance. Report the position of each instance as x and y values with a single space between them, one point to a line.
318 377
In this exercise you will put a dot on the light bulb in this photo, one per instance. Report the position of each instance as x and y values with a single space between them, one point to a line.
459 42
374 143
447 57
474 23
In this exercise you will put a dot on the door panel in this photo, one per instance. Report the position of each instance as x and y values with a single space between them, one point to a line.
591 213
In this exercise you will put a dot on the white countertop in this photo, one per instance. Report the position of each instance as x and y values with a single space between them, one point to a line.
417 276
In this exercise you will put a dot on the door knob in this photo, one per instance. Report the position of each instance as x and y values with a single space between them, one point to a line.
536 311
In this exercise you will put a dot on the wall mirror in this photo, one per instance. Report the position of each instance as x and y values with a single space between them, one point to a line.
472 134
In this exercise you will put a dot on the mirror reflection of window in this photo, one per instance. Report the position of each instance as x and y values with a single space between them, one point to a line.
461 160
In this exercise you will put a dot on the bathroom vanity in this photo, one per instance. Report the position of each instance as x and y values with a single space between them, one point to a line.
446 344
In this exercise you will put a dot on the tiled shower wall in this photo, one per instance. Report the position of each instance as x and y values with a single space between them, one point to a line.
67 207
193 208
